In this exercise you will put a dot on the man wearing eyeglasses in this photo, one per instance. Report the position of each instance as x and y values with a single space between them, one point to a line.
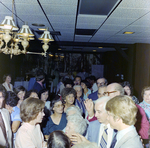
5 130
100 82
142 124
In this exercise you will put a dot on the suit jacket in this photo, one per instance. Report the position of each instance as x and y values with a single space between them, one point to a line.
6 118
7 87
93 131
93 96
37 86
130 140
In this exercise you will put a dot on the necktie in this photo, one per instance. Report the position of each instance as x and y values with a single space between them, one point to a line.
113 142
103 142
2 125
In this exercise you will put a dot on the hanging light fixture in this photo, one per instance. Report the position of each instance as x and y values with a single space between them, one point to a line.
46 38
7 34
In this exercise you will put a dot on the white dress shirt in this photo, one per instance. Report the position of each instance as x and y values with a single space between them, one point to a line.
110 134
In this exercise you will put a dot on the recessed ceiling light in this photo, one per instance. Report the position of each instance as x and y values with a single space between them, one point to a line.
100 47
43 29
94 50
127 32
59 48
40 25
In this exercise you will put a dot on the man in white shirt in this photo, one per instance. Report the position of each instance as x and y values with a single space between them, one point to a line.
96 128
122 117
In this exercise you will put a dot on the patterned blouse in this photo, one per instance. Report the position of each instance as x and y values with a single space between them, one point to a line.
146 108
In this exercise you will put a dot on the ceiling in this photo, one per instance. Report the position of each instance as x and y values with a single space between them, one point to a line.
84 25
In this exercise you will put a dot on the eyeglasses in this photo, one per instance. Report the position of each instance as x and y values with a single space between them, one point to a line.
101 84
102 93
108 93
58 106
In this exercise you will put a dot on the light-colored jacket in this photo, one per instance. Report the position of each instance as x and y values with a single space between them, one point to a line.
6 118
7 87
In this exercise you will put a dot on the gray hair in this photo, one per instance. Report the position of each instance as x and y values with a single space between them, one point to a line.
85 145
77 110
104 100
79 123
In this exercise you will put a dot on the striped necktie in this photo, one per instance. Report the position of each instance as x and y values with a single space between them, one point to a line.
103 142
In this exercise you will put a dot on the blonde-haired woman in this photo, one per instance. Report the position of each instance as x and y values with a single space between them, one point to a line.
29 134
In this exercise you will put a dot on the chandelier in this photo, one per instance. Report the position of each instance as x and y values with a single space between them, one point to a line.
8 33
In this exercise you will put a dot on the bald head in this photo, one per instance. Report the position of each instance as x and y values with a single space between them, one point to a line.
115 89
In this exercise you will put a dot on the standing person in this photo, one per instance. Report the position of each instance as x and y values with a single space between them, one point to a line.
86 91
20 91
29 134
11 106
122 117
38 85
5 128
68 96
43 95
99 82
77 80
129 91
7 82
56 121
79 101
146 101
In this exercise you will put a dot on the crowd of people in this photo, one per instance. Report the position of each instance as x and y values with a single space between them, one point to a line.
85 112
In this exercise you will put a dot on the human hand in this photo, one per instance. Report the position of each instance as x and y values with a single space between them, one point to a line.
89 105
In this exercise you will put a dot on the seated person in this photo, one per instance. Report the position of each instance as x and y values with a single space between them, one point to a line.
75 124
11 106
68 96
7 82
58 139
57 121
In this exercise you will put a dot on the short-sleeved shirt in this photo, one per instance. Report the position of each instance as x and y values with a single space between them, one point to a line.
51 126
15 116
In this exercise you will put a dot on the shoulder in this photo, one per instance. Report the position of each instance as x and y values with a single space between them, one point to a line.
5 111
94 123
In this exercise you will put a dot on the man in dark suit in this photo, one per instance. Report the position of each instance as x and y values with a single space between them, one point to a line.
5 129
100 82
122 117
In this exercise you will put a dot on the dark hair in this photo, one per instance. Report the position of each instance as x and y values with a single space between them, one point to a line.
68 81
40 75
18 89
58 139
11 99
4 77
92 78
28 93
42 91
67 91
77 77
55 100
86 83
3 91
126 83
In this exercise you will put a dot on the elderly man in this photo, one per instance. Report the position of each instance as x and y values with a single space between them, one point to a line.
122 117
99 131
100 82
5 129
142 124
